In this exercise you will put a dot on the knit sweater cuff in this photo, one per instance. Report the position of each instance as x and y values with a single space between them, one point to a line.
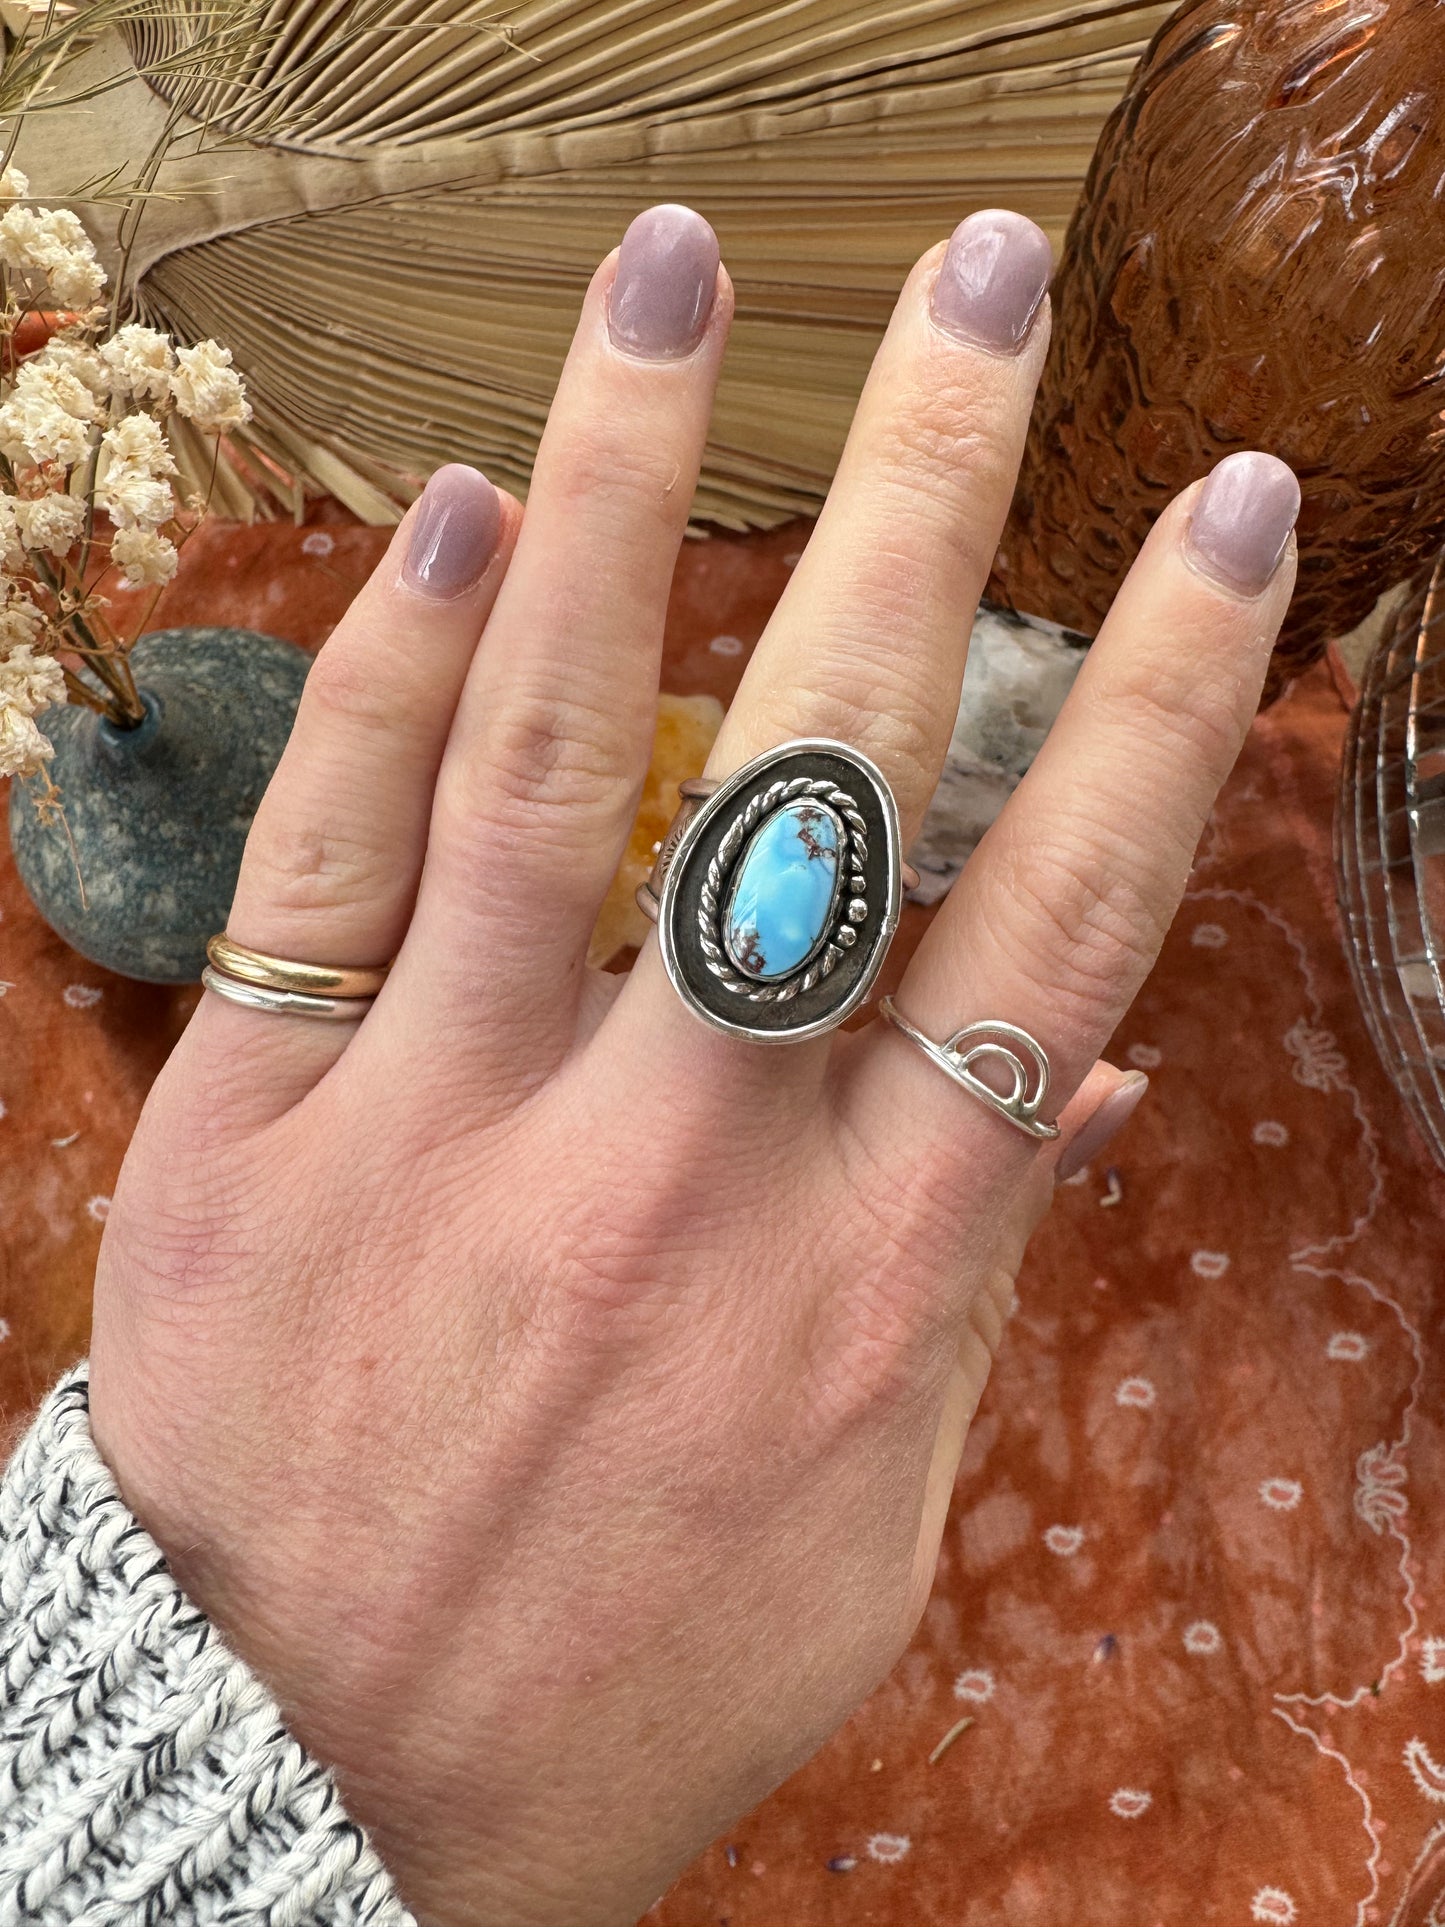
145 1774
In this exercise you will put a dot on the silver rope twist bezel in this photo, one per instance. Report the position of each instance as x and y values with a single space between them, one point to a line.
855 890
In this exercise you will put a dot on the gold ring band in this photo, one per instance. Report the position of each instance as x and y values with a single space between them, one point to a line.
247 966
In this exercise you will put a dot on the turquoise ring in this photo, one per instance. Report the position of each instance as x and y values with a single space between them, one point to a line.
777 892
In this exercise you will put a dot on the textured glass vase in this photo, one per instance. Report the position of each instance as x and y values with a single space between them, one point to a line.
1258 260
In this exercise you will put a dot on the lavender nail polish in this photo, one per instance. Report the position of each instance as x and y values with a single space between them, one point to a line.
1094 1133
1242 520
454 535
665 285
992 280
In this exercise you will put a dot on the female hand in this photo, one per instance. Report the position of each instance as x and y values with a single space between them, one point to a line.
555 1400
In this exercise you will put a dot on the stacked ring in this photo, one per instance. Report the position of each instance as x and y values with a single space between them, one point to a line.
333 992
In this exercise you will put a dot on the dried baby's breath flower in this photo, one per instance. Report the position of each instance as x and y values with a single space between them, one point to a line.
130 488
23 750
207 389
47 414
145 559
35 429
12 548
14 185
29 682
140 361
51 244
58 377
77 360
139 442
20 621
77 283
134 500
54 523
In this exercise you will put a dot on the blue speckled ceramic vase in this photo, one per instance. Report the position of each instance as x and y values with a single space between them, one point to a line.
159 814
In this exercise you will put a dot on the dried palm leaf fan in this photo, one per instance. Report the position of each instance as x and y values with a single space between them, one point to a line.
413 193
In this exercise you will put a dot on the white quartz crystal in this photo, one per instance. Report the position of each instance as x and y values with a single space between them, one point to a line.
1020 669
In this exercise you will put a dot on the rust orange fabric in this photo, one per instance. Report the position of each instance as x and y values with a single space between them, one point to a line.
1192 1593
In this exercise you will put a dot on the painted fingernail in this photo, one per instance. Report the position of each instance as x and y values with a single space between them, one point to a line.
992 281
666 281
1242 519
1095 1132
454 535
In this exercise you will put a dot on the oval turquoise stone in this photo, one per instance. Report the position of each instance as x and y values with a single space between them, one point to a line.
781 901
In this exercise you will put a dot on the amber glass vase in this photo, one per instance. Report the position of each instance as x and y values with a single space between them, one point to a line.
1258 260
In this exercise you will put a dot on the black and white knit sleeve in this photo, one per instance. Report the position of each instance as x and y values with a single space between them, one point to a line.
146 1775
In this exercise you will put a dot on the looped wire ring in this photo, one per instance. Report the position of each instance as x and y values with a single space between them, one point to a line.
1007 1044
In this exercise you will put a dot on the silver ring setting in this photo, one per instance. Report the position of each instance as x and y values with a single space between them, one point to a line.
285 1003
777 892
1023 1056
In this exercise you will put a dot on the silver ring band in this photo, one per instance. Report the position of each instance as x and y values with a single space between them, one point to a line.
1006 1044
285 1003
694 793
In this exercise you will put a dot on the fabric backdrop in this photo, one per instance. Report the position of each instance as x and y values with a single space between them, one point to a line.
1192 1591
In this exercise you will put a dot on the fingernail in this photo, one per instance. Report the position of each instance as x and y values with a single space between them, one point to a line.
1111 1116
1242 519
992 281
454 535
666 280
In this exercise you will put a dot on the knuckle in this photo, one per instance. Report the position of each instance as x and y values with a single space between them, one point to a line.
343 688
305 869
548 768
938 446
1181 713
182 1255
945 459
988 1309
183 1224
1095 907
867 1364
610 1278
880 1329
852 690
605 469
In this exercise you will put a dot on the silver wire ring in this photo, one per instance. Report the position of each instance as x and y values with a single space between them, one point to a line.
1007 1044
285 1003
